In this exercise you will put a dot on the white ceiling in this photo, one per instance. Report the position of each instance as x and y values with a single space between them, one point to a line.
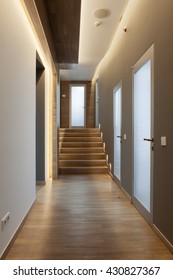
94 41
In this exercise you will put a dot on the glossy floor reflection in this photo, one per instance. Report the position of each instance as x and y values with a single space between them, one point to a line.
85 217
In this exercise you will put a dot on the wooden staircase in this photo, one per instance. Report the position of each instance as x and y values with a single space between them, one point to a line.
81 151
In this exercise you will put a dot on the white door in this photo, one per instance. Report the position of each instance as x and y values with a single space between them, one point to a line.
117 131
77 108
143 134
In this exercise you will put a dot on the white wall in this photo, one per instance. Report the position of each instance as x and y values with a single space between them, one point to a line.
17 118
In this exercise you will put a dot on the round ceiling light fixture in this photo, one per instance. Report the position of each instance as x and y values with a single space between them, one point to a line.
98 23
101 13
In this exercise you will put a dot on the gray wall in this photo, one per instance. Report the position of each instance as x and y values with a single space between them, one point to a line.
147 22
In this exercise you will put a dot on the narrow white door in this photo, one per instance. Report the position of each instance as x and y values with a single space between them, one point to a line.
117 131
77 116
143 134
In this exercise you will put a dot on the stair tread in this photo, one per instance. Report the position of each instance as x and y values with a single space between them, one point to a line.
90 147
78 150
80 139
82 160
84 154
84 167
78 130
86 142
76 135
80 156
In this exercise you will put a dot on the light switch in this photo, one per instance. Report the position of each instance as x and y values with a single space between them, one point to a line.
163 141
125 136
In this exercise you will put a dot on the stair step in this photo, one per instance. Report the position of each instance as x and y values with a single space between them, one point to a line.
83 170
79 130
85 156
80 144
86 150
80 139
79 134
83 163
81 151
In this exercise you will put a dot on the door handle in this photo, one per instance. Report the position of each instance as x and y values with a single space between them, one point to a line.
119 136
148 139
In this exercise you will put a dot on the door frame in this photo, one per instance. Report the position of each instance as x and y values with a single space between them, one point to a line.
97 103
148 55
70 104
40 147
115 89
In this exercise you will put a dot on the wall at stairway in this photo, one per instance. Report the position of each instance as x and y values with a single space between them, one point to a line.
64 103
147 22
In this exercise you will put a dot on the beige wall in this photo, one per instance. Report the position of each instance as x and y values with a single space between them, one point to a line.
148 22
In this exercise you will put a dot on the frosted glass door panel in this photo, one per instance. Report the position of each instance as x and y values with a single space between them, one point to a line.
77 106
117 133
142 130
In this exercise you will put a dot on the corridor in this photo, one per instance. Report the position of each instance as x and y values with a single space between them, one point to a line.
85 217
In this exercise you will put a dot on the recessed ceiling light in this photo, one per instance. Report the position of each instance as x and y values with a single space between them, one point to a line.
101 13
98 23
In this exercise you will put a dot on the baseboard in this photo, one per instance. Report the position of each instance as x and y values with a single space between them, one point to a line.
121 188
41 183
16 233
126 194
163 238
112 177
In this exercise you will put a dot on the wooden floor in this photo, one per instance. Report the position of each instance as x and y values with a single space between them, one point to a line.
85 217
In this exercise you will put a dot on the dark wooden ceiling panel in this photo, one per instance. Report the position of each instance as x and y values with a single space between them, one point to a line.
64 20
45 37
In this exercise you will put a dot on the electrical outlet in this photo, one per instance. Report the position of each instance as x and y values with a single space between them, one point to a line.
5 220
